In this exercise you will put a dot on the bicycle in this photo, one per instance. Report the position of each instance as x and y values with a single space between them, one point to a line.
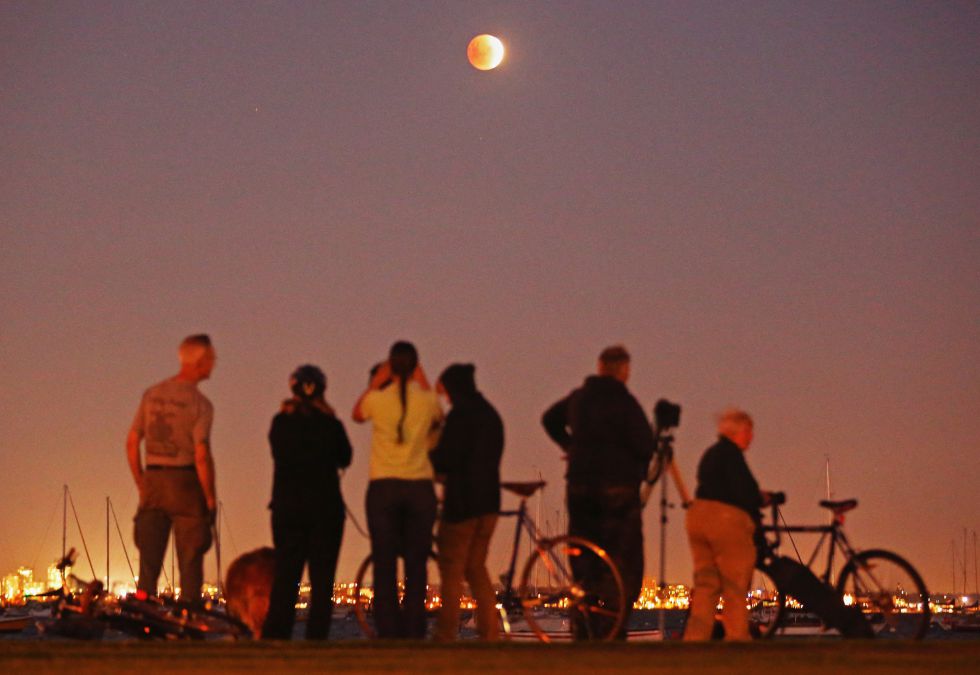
887 589
88 614
583 593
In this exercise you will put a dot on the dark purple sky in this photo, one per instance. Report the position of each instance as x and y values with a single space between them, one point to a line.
772 204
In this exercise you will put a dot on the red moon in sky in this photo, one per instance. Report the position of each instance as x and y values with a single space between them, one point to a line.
485 52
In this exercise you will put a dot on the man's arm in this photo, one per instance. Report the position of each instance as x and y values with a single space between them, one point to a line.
203 463
205 472
446 455
641 438
555 422
742 483
133 455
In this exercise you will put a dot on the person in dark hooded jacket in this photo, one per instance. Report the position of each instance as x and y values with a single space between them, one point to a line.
608 443
309 445
468 456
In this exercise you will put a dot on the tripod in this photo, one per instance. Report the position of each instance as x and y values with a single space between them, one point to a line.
663 460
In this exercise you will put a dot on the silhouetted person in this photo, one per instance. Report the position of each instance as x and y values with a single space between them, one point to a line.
468 457
608 442
309 445
176 489
721 522
401 501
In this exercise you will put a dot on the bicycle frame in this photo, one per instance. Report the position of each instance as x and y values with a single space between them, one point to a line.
592 611
880 583
523 522
833 532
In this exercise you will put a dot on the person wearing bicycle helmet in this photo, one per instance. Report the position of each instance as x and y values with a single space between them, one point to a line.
309 446
401 500
721 523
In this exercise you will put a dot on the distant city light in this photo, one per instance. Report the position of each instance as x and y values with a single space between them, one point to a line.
20 586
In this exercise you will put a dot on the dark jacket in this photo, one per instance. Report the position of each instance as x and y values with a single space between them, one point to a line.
605 433
468 454
724 476
308 446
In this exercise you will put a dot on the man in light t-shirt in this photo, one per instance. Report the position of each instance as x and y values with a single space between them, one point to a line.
176 486
401 501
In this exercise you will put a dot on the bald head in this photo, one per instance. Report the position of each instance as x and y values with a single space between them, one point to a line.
196 354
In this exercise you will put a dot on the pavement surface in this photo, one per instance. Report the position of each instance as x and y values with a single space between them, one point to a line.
50 656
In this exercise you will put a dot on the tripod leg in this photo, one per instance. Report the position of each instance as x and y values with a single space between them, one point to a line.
679 484
662 581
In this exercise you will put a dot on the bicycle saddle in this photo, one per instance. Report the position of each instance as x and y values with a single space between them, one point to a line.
524 489
842 506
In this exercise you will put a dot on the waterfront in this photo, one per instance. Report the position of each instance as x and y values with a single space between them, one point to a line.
643 626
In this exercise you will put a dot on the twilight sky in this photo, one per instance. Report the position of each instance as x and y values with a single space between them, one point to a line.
771 204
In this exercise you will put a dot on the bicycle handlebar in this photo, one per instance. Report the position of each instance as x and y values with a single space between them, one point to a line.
776 499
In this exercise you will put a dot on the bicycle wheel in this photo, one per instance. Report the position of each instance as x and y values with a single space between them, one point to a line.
146 619
890 593
206 623
363 591
158 619
571 589
767 606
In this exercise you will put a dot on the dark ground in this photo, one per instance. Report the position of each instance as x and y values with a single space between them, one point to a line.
933 657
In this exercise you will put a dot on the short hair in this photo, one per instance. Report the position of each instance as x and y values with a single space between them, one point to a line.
733 419
612 359
193 347
459 380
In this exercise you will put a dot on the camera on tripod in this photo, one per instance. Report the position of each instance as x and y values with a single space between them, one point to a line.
666 415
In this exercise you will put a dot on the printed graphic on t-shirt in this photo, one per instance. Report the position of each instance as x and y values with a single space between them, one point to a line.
160 432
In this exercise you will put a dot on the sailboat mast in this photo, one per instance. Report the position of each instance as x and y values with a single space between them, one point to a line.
64 522
964 561
976 575
827 474
826 471
173 571
537 568
217 546
64 534
107 543
952 550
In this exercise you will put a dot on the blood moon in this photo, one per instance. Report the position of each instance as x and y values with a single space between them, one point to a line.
485 52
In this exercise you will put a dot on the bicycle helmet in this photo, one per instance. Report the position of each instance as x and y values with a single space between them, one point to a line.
308 382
